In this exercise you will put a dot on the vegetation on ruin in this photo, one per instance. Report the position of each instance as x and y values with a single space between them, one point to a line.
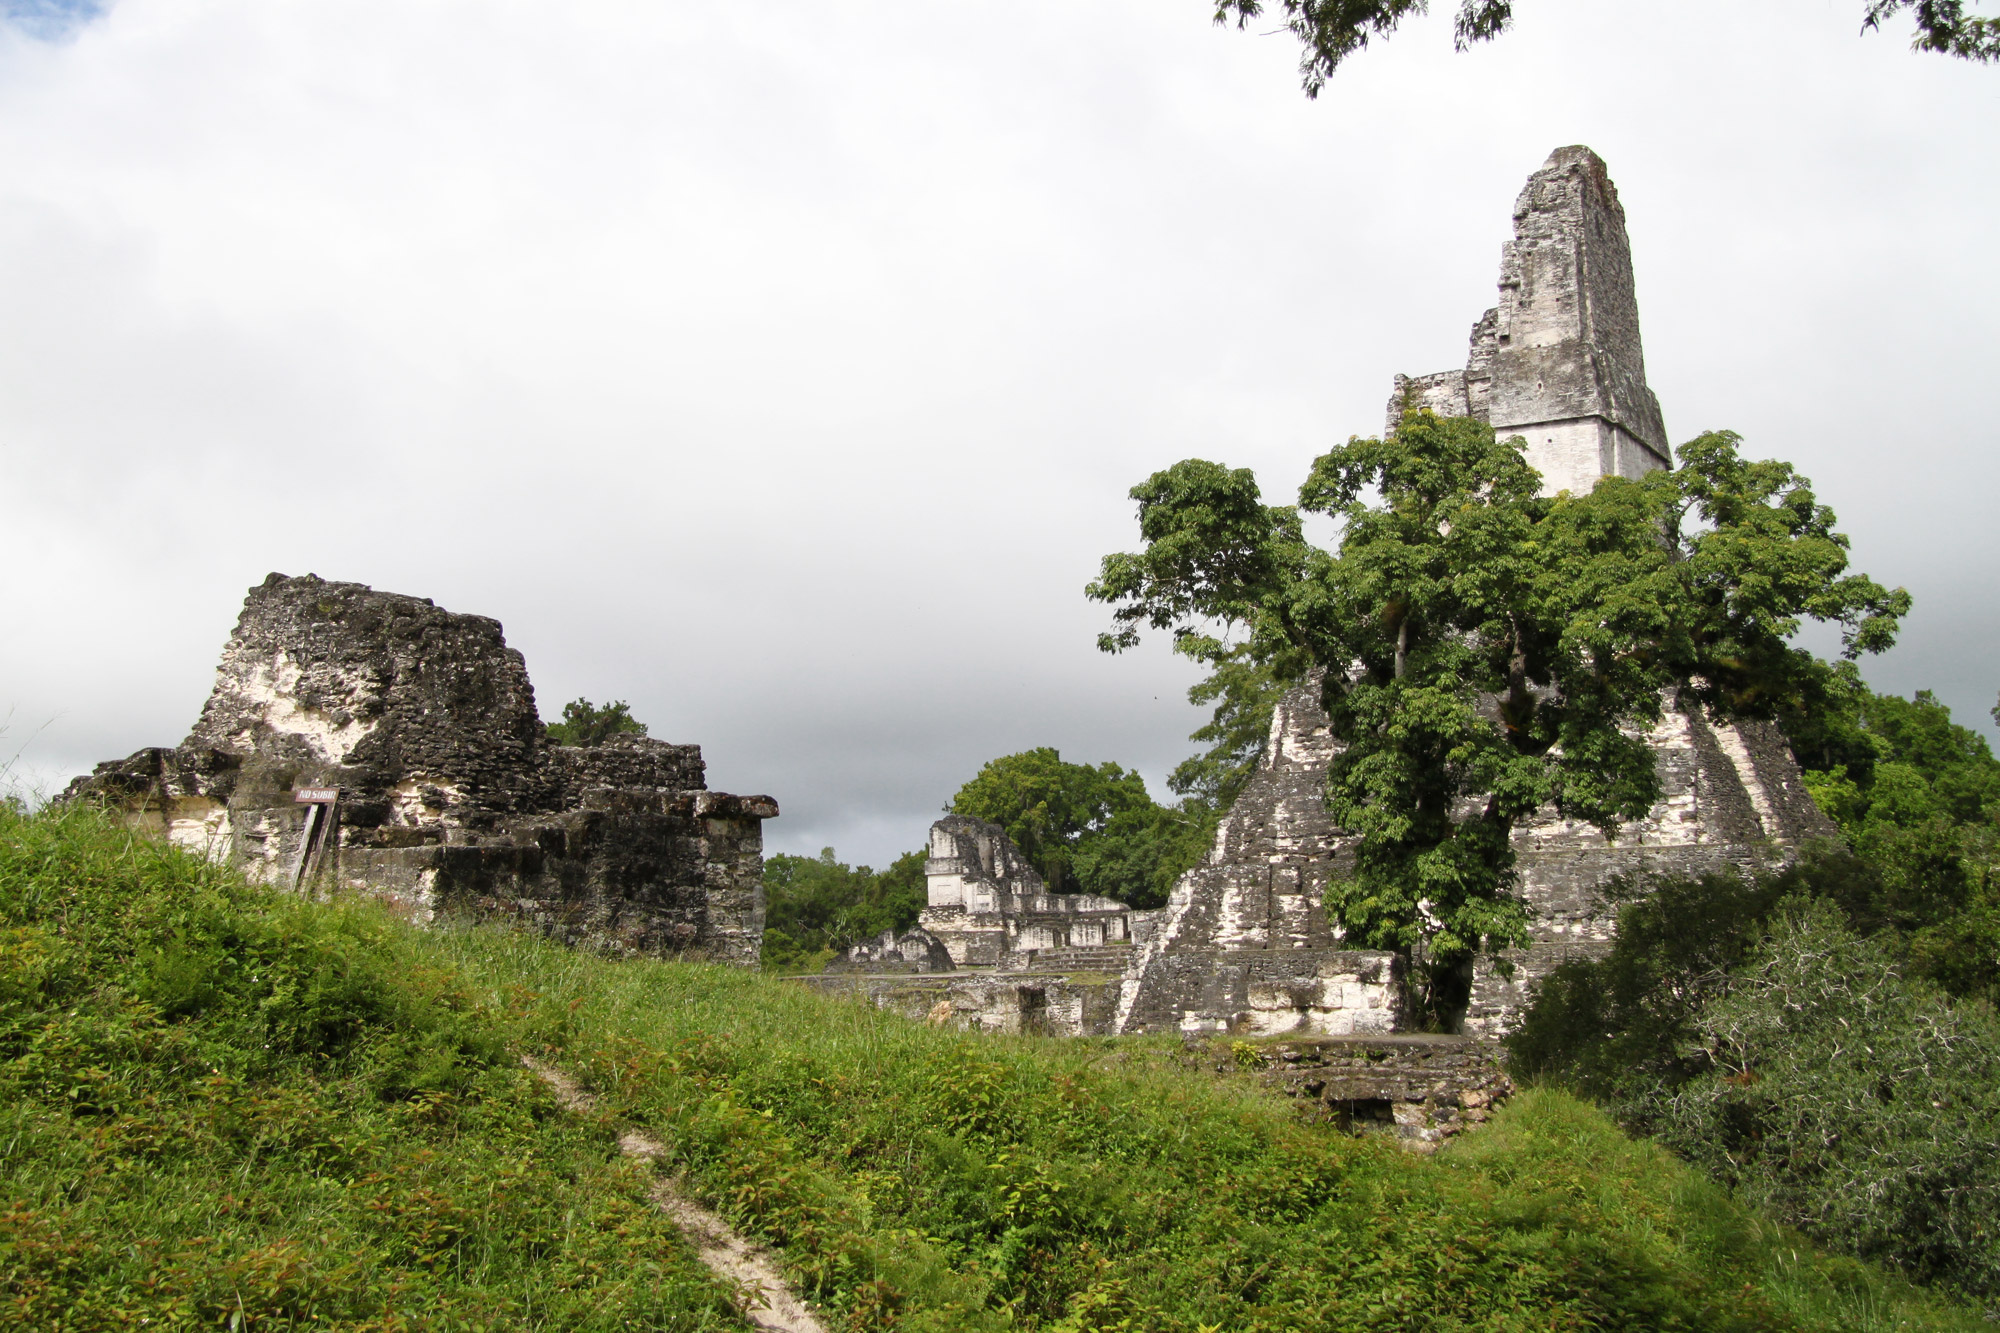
1823 1038
1329 31
228 1108
588 724
1489 651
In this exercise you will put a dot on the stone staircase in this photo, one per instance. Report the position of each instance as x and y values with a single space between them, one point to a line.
1080 958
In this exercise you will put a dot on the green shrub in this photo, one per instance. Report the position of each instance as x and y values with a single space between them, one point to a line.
1860 1106
587 724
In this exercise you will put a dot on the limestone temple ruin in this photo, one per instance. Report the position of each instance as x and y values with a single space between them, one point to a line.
1243 945
372 741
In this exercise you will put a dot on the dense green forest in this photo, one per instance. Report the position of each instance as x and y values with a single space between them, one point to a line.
815 906
225 1107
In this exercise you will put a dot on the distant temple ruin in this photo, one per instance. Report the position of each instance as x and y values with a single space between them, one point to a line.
377 742
988 906
1558 362
1244 945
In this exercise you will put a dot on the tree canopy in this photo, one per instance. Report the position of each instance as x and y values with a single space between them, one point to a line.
1487 650
1329 31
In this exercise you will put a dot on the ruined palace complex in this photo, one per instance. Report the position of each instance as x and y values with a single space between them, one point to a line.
1244 945
373 741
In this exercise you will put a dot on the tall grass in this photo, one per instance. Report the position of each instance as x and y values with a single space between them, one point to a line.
226 1108
961 1180
220 1108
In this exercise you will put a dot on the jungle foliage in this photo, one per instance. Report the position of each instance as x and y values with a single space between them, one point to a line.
816 906
1822 1038
1090 829
587 724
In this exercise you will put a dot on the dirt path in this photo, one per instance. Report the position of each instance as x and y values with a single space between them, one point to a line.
764 1297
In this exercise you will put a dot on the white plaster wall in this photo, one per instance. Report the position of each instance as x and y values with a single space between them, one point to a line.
268 689
945 890
199 825
1571 455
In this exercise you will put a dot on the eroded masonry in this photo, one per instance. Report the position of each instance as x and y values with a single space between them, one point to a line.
1244 945
373 741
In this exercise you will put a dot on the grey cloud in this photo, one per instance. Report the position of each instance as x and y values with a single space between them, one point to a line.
783 370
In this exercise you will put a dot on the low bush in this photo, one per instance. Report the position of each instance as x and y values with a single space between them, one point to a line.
1770 1030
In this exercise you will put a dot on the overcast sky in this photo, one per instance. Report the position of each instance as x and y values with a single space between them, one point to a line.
782 368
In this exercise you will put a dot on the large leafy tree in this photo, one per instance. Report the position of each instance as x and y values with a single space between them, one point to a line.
1487 650
1329 31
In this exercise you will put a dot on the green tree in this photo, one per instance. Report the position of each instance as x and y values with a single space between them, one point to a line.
1918 797
1857 1105
1048 806
1088 829
1244 692
584 723
1488 650
1329 31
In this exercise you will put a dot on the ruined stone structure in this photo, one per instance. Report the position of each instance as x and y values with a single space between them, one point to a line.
988 907
1056 1001
421 727
1416 1088
1557 361
994 950
1245 946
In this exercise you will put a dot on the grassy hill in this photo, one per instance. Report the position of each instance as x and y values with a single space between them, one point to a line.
224 1108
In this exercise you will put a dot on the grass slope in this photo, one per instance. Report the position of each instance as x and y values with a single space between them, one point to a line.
225 1108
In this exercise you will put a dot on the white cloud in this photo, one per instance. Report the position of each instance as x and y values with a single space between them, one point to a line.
782 369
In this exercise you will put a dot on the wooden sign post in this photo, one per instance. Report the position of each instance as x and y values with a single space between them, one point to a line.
319 803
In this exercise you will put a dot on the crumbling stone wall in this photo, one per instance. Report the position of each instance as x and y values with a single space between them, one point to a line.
450 796
1056 1004
1244 945
1558 361
1417 1089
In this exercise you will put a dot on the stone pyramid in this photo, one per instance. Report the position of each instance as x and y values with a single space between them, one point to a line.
1244 945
